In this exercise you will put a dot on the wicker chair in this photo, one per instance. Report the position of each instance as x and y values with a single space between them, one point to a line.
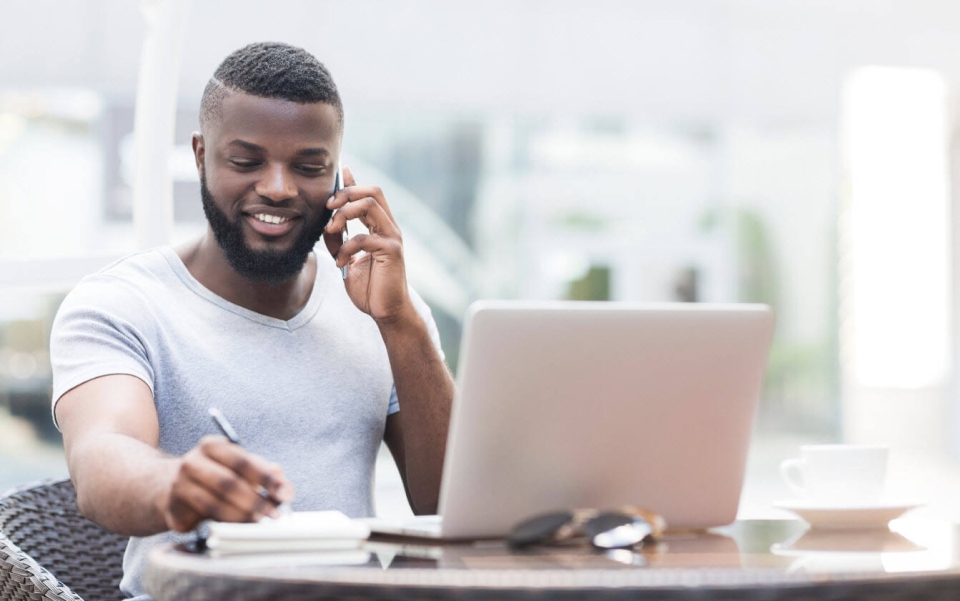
49 551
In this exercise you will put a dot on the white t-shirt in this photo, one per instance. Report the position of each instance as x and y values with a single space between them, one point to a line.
312 393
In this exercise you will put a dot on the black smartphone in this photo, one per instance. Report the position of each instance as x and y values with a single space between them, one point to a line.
337 186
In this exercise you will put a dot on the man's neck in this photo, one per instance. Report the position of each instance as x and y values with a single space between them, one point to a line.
205 261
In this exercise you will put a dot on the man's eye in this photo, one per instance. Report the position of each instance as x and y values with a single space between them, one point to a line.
311 169
244 164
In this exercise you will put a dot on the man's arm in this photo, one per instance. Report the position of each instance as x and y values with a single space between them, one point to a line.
377 285
127 485
417 434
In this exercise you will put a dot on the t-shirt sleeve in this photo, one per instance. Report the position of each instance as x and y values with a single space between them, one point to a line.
424 310
94 334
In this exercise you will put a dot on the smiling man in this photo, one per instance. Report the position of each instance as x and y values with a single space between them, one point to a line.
313 370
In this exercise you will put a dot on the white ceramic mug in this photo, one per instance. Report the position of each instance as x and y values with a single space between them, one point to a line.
838 473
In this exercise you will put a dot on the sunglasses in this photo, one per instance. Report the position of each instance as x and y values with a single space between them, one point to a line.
618 529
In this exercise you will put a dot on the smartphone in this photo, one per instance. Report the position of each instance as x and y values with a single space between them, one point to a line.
337 186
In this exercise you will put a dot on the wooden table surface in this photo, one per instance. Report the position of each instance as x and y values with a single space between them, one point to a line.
761 559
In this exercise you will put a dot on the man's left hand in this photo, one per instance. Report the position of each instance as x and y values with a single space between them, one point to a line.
376 281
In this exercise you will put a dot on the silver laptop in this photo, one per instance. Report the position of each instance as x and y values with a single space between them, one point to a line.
580 404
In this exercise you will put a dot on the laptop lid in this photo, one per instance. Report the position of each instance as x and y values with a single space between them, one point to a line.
602 404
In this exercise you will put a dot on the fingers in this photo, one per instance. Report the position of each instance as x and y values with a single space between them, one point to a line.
255 470
222 481
378 247
369 211
333 241
349 181
192 502
376 221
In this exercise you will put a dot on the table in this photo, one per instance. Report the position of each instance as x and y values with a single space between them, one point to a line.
748 560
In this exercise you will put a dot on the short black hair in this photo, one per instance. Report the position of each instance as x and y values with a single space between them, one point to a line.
270 70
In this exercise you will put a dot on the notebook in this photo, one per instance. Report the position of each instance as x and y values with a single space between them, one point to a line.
598 404
297 532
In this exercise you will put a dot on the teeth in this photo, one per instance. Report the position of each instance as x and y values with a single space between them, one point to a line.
270 218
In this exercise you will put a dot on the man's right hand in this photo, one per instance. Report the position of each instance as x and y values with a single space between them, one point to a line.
125 484
220 480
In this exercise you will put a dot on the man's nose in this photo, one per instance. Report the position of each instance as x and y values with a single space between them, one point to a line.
276 185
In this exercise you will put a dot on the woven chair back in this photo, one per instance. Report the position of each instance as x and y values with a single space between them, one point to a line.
49 551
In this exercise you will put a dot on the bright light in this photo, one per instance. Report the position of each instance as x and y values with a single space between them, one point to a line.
895 232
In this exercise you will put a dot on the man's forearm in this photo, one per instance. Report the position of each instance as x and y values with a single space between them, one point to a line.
425 389
120 482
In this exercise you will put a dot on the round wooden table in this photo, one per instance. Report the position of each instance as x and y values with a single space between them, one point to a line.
768 559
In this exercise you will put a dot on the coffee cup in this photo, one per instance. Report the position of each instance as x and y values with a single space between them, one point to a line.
838 473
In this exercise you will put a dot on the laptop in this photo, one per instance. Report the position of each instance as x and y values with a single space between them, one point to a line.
564 405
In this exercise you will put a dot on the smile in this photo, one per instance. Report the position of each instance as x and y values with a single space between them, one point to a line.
271 218
271 226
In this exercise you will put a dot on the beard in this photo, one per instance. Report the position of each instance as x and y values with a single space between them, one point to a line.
270 267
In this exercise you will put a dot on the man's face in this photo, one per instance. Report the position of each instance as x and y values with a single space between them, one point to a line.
267 168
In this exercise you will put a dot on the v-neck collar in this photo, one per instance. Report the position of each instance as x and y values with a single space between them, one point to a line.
302 317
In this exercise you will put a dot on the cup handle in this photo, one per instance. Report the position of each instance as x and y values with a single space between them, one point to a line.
792 472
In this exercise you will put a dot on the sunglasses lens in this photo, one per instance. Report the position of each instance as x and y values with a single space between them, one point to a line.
622 535
605 522
538 529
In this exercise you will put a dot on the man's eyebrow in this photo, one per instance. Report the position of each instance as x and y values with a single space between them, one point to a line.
247 145
310 152
303 152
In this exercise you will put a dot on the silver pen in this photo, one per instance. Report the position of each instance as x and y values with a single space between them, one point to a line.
227 430
343 270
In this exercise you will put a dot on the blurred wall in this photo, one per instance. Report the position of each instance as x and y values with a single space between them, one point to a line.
750 60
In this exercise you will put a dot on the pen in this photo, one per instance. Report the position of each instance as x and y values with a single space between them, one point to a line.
224 426
227 430
343 270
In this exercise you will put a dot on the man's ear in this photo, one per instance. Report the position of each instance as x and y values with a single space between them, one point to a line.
199 151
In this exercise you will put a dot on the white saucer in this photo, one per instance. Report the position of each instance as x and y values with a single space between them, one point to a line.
833 515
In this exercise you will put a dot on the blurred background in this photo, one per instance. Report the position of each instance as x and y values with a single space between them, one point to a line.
796 153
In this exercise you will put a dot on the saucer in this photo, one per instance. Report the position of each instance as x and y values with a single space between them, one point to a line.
842 542
820 514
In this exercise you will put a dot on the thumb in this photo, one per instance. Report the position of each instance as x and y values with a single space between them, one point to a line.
333 241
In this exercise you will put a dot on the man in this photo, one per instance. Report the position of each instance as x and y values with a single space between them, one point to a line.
312 369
